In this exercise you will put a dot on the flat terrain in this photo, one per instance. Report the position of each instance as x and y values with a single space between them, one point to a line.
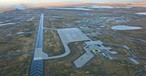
18 30
15 66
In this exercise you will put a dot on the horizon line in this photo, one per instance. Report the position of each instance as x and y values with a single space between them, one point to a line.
55 4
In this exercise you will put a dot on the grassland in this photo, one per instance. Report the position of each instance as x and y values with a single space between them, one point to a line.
98 66
11 42
16 38
15 66
52 43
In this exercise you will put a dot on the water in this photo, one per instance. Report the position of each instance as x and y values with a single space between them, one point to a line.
141 13
109 7
7 24
19 33
1 11
1 22
73 8
124 27
95 6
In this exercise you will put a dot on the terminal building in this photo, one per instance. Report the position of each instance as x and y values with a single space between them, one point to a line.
92 48
97 48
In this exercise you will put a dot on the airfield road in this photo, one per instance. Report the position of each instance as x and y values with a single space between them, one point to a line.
83 59
68 35
39 54
37 65
16 54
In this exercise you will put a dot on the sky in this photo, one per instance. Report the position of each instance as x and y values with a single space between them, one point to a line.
4 2
38 1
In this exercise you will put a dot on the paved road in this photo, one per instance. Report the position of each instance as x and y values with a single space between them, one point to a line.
123 46
39 41
16 54
37 68
83 59
37 65
39 54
